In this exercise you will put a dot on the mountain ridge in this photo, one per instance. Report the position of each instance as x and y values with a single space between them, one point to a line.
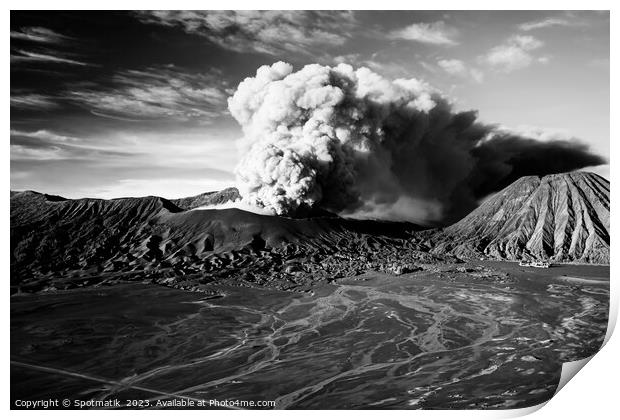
561 217
55 237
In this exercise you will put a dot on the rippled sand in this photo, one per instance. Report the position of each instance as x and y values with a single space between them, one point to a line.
491 338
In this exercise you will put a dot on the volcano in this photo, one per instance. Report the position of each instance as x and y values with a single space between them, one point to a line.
562 217
54 239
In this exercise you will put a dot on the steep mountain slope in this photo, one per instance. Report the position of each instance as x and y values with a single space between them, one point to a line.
52 234
564 217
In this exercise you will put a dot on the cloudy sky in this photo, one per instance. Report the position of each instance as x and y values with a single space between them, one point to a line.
109 104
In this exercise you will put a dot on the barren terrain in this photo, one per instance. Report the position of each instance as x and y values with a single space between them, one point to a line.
480 335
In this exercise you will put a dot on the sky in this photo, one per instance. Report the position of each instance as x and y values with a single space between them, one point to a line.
116 104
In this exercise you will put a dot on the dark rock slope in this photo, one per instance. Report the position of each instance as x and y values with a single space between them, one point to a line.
563 217
53 237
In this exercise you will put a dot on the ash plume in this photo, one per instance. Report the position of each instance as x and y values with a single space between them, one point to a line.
353 142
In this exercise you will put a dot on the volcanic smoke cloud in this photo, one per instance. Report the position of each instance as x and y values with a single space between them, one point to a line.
353 142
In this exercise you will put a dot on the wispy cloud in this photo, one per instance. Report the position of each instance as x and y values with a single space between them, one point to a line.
45 135
39 34
169 161
544 23
157 92
47 145
514 54
374 62
24 51
29 56
436 33
32 101
453 66
20 152
458 68
270 32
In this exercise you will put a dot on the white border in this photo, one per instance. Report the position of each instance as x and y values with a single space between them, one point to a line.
593 394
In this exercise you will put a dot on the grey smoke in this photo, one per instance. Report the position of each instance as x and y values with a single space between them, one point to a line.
353 142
